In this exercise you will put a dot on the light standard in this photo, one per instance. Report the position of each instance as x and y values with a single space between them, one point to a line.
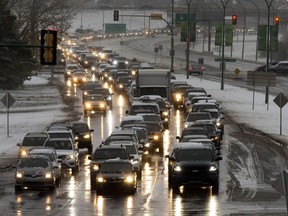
224 4
244 28
188 38
267 47
172 51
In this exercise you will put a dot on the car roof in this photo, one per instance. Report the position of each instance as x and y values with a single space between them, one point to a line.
132 117
110 147
42 150
117 160
36 134
191 145
129 132
123 142
59 139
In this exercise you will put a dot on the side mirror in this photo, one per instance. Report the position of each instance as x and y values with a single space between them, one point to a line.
218 158
209 95
19 144
131 157
127 112
91 130
140 152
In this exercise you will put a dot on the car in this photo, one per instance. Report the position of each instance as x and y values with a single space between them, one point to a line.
263 67
35 171
84 134
178 95
193 130
61 132
103 153
195 116
88 60
68 154
122 82
120 61
100 69
93 103
196 69
143 107
133 151
131 135
193 164
69 68
31 140
116 175
106 72
79 78
200 106
130 119
53 157
281 68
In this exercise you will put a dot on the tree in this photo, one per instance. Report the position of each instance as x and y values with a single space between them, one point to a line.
16 63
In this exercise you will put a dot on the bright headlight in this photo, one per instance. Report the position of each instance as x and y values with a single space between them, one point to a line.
19 175
86 136
88 105
86 62
218 124
120 86
93 68
110 78
115 62
133 72
126 62
212 168
147 145
178 97
75 79
102 105
100 179
95 167
165 113
156 137
48 175
24 153
129 179
177 169
69 72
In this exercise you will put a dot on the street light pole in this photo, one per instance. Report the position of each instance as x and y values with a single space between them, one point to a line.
244 28
188 39
172 51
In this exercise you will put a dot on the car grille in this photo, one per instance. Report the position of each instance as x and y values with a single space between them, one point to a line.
115 180
195 172
33 175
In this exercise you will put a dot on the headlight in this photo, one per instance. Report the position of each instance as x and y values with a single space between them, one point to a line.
48 175
147 145
24 153
95 167
156 137
212 168
120 86
165 113
75 79
177 169
178 97
115 62
86 62
218 124
100 179
129 179
133 72
86 136
109 98
85 93
110 78
68 72
84 79
126 62
19 175
93 68
88 105
102 105
70 157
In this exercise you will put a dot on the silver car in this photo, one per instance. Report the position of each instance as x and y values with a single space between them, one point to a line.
35 171
68 154
52 155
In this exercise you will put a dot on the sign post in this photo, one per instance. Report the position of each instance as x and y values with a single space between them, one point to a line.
281 101
8 100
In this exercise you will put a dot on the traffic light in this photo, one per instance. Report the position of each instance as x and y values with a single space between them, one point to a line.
48 49
116 15
276 20
234 19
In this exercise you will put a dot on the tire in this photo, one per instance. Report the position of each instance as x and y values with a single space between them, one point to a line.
133 191
215 188
139 174
75 169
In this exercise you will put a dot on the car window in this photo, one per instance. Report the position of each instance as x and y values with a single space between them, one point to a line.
33 162
115 168
65 145
48 155
195 155
81 128
109 154
34 141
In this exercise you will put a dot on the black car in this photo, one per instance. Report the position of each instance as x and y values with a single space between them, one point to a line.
84 134
100 155
193 164
263 67
116 175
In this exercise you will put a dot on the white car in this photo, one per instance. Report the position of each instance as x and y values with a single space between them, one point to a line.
68 154
133 151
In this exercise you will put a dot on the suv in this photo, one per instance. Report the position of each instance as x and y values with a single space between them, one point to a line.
193 164
31 140
281 68
103 153
84 134
116 174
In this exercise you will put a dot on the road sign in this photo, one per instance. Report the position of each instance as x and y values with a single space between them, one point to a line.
115 28
281 100
182 18
260 78
225 59
8 100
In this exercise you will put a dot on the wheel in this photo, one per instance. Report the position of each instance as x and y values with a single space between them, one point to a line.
75 169
215 188
139 174
133 190
92 182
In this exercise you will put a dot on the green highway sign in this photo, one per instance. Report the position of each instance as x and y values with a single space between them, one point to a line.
111 28
182 18
225 59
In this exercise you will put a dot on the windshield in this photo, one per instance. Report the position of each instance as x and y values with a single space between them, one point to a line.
161 91
195 155
48 155
192 117
131 149
34 141
115 168
81 128
65 145
34 162
152 118
109 154
60 135
199 107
